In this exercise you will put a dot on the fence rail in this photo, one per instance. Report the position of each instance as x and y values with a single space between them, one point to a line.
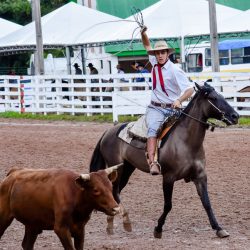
99 94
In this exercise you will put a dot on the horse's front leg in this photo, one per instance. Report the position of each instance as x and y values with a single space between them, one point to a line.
120 183
201 186
167 191
126 221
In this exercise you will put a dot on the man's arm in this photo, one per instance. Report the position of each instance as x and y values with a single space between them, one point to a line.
187 93
145 40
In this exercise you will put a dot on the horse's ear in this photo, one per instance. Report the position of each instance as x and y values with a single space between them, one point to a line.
197 86
206 84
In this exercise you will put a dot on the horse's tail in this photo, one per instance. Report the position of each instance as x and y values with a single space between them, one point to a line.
97 161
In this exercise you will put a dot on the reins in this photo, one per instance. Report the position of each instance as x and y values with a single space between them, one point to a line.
209 124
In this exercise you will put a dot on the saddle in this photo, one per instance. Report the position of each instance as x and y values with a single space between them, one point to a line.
135 133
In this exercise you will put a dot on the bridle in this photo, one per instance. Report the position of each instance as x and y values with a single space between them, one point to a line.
223 118
207 123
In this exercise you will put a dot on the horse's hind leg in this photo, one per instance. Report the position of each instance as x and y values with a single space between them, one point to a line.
201 186
167 191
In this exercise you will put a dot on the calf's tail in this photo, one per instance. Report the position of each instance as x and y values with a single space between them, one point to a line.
97 161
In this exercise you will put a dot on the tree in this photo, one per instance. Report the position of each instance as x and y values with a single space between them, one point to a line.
50 5
18 11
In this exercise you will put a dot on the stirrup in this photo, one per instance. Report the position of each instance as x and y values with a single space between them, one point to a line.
155 168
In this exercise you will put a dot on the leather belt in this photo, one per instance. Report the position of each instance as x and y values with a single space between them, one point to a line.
162 105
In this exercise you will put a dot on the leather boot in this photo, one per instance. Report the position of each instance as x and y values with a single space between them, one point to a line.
154 165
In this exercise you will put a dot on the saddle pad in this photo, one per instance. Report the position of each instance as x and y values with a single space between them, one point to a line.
139 129
124 135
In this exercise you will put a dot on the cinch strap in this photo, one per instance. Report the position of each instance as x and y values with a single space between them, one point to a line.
160 78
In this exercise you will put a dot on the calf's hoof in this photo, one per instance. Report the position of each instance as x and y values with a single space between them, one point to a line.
127 227
157 234
222 233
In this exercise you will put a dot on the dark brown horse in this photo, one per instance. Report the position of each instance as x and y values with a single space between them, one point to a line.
181 155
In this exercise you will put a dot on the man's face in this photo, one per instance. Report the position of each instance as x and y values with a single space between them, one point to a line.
161 56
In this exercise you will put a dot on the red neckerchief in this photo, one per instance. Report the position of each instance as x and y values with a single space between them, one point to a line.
160 78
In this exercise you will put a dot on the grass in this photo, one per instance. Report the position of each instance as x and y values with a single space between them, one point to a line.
65 117
244 121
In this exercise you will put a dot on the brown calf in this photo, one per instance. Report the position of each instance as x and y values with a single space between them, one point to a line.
55 199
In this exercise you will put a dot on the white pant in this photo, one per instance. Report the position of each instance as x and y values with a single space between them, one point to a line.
155 116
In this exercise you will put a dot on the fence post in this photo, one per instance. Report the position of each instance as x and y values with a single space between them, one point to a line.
114 105
22 105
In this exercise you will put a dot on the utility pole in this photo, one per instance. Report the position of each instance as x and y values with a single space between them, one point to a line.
36 16
213 37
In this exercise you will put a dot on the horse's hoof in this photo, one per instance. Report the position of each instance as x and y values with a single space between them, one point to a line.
157 235
127 227
110 231
222 233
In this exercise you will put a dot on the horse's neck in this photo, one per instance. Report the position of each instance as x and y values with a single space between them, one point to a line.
191 130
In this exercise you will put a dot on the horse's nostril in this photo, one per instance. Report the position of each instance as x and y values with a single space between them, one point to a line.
235 116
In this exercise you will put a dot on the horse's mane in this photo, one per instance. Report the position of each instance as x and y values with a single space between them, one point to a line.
204 90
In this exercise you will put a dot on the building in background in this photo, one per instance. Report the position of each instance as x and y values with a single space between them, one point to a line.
237 4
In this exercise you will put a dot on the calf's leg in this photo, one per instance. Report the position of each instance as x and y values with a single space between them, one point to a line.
30 237
5 220
61 228
201 186
64 235
78 236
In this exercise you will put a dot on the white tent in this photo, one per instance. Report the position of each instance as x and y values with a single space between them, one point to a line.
7 27
60 27
73 24
166 18
236 23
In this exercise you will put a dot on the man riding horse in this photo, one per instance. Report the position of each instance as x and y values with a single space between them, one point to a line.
170 88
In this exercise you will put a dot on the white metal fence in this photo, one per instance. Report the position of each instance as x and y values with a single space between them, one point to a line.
100 94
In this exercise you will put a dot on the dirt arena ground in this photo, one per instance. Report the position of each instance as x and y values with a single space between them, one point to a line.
38 144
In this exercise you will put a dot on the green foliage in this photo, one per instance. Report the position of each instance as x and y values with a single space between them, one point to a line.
55 117
18 11
19 63
243 122
55 52
50 5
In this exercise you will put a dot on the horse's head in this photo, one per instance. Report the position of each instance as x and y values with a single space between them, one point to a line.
216 106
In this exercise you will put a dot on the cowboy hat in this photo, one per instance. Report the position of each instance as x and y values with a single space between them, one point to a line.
76 65
161 45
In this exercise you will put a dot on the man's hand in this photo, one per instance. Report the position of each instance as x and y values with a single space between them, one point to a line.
143 29
176 104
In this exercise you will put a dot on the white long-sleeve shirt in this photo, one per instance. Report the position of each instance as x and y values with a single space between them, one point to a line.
175 82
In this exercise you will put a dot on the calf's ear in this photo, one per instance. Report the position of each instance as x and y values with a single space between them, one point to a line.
82 181
112 176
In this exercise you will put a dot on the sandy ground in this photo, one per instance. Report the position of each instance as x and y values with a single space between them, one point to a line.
38 144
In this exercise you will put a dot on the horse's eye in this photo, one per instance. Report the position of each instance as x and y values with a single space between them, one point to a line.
211 97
